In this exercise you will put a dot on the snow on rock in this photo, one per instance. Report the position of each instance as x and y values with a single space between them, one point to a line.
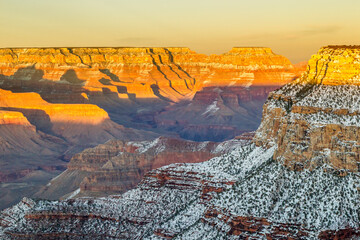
213 108
73 194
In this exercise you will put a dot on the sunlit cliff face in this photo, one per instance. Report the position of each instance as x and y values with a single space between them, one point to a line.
77 113
335 65
170 74
84 124
13 118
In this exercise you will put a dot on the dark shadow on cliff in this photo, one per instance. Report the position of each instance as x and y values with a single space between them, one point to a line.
29 73
112 76
128 111
171 58
30 79
70 76
39 118
156 90
123 90
105 81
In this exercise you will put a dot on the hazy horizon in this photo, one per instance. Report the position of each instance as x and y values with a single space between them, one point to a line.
292 29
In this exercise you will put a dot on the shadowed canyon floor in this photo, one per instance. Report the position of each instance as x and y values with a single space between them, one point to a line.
297 179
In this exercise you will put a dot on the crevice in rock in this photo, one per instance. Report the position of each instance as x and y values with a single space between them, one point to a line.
159 69
81 60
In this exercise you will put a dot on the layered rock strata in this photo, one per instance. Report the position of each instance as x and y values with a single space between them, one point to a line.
118 166
83 124
315 120
169 74
252 192
135 85
216 113
37 139
74 98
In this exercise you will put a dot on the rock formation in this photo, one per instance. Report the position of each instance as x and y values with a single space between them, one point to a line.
77 123
81 97
317 116
37 138
19 138
118 166
134 85
167 73
216 113
74 98
297 179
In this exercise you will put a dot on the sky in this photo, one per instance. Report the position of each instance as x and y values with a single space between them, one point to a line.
293 28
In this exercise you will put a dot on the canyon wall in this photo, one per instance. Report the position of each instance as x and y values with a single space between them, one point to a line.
317 116
170 74
74 98
38 138
147 88
118 166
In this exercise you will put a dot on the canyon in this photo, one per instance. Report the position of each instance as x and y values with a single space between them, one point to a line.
56 102
296 179
169 74
38 139
216 113
135 85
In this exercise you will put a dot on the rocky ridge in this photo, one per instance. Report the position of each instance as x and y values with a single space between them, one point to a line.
317 116
118 166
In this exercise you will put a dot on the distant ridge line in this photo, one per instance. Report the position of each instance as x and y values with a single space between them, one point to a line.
343 46
81 47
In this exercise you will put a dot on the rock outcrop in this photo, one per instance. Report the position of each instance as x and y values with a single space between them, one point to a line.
118 166
216 113
81 124
13 118
18 139
255 191
315 120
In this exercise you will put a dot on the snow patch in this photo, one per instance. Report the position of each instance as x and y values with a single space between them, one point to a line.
73 194
213 108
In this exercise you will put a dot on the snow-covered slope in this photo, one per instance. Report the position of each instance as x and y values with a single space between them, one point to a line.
205 201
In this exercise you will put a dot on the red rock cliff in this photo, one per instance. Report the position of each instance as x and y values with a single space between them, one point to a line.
165 73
